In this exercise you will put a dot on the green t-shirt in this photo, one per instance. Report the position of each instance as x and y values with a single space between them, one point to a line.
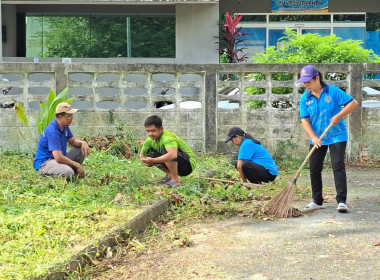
168 140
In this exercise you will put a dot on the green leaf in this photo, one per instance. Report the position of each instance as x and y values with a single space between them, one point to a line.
47 109
20 113
51 97
39 124
42 231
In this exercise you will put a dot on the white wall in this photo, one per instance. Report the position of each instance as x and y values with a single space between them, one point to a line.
196 28
8 16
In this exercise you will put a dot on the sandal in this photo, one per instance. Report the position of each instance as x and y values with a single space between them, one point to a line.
164 179
170 184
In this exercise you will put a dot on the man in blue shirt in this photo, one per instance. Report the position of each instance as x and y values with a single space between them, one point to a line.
51 158
254 162
320 105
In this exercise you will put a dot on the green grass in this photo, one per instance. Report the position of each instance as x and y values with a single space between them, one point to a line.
43 221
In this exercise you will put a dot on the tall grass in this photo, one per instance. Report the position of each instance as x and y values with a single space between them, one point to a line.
43 221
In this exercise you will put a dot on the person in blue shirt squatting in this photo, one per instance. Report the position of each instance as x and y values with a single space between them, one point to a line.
51 158
320 105
254 163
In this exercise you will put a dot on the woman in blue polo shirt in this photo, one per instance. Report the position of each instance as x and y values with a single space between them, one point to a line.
254 163
320 105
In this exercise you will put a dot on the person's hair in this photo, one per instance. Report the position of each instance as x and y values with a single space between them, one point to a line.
249 136
320 79
60 115
153 120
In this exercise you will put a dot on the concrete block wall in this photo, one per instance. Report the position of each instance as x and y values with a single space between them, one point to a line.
112 95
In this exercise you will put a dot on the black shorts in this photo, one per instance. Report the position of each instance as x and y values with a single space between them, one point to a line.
183 160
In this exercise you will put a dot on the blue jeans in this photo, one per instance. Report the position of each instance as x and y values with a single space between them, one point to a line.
337 153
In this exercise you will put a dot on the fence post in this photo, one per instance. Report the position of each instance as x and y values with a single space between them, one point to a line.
210 131
355 118
61 77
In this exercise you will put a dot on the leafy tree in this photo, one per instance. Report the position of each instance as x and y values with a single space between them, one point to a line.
314 48
373 22
78 37
99 36
153 37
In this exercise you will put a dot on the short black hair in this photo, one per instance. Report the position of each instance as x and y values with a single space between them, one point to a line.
60 115
153 120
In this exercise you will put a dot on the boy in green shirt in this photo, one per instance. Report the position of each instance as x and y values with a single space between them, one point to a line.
167 151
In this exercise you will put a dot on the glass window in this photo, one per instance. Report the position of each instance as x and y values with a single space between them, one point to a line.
254 41
253 18
373 21
353 33
373 41
322 32
100 36
349 18
274 35
305 18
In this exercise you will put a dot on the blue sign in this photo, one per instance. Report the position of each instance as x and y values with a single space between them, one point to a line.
320 6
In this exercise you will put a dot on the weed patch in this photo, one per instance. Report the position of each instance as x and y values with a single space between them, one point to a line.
44 221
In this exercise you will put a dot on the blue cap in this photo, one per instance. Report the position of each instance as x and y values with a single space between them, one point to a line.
307 73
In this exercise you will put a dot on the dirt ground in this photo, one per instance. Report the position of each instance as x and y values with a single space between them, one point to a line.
321 245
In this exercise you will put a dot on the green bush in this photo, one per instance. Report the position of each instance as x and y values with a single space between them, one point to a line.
314 48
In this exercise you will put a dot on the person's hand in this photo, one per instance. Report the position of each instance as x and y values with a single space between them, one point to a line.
335 119
80 171
316 142
148 161
85 149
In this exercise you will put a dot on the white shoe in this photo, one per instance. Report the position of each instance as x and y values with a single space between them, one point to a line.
342 208
312 206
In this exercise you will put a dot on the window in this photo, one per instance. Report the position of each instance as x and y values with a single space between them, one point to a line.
299 18
355 26
99 35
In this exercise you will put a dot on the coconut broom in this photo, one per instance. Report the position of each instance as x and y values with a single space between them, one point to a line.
281 205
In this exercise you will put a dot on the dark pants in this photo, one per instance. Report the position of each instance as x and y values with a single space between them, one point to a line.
337 153
183 161
256 173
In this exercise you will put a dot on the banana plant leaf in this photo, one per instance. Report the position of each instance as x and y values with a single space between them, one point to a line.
21 113
47 109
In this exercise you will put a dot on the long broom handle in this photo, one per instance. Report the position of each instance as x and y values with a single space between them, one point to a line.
310 153
237 182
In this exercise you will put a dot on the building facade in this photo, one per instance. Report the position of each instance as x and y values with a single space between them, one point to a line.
174 31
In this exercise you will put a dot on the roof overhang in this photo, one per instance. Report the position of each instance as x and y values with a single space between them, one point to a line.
106 2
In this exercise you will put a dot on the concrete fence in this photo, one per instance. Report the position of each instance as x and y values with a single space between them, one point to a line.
197 102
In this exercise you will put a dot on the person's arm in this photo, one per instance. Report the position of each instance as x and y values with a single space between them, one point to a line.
60 158
171 154
239 167
309 131
348 109
74 142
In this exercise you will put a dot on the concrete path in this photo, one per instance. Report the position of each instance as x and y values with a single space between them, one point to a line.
322 245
